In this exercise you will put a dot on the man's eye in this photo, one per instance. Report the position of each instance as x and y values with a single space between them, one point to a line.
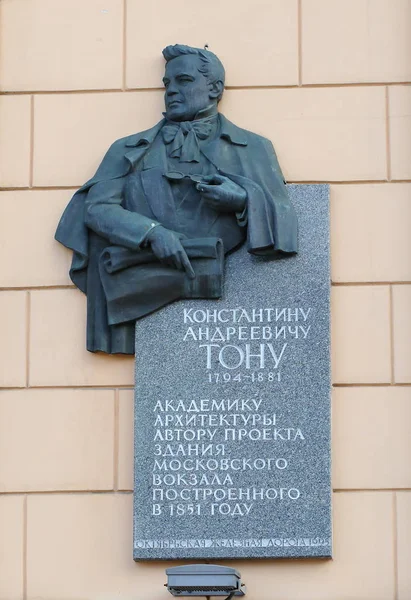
185 80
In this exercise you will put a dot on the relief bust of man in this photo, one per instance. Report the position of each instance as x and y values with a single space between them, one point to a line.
165 206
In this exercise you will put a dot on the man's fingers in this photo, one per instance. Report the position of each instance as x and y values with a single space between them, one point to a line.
158 249
172 254
165 254
167 261
209 191
204 188
187 265
212 203
176 262
214 178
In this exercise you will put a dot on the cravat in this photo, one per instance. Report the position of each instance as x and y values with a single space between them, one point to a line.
184 137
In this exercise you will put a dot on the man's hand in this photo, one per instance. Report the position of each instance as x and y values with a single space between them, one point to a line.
222 194
168 249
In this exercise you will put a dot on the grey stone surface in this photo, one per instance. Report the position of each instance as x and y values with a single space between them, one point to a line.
261 486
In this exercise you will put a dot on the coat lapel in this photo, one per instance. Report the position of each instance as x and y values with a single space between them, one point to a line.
224 152
159 196
156 187
140 143
136 154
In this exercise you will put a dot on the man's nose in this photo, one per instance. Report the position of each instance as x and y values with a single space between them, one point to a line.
171 89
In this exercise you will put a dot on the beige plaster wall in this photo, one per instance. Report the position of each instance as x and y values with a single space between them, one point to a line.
329 82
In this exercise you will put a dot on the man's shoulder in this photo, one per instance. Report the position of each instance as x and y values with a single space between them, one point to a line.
131 141
243 136
115 163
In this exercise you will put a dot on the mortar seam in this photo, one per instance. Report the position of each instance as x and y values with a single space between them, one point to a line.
28 325
24 565
395 543
31 142
116 439
391 321
387 133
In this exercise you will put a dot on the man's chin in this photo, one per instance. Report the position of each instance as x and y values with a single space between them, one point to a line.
177 113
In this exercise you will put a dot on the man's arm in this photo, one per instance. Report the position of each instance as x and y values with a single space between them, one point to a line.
105 215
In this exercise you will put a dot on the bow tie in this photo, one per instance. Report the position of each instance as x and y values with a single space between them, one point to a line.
184 137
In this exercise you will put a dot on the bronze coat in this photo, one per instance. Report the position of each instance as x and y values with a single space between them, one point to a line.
98 215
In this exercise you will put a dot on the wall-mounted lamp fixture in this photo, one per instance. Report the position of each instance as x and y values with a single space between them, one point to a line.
204 580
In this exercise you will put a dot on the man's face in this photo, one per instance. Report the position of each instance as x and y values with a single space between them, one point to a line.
187 90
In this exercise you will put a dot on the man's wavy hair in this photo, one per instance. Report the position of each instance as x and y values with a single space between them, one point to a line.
211 66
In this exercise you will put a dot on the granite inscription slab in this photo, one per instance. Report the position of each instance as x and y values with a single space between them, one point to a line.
232 409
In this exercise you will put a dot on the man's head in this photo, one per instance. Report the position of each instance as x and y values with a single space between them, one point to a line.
194 80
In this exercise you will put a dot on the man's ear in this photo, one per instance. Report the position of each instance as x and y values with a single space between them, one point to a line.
216 90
